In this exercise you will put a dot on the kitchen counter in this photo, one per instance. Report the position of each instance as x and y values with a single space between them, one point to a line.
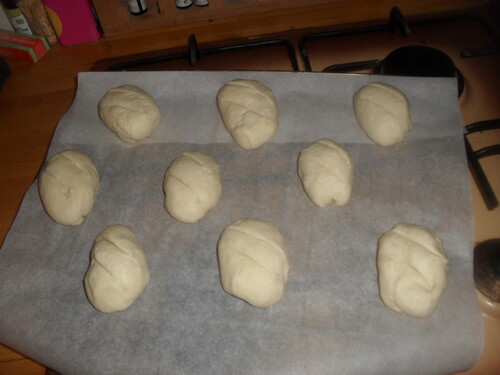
35 97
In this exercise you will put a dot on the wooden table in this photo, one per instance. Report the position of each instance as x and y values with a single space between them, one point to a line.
35 97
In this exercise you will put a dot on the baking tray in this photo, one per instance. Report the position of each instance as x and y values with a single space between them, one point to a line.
330 319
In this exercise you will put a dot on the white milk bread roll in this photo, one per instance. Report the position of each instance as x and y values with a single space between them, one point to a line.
118 270
253 262
383 112
412 269
249 112
192 186
326 172
129 112
68 186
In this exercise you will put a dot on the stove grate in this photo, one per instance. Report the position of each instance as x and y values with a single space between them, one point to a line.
194 53
473 157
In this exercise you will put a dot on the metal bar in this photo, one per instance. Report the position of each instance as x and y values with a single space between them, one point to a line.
398 22
147 61
257 44
479 176
352 67
477 52
194 53
333 34
483 126
487 151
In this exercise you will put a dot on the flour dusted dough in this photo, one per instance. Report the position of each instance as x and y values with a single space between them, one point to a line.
253 262
67 186
412 268
249 112
326 172
130 112
383 111
192 186
118 270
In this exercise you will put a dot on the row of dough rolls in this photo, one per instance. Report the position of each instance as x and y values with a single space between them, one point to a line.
249 111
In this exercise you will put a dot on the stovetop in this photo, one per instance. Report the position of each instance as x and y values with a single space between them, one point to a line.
469 41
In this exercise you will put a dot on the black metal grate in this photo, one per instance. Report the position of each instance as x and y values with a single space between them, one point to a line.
473 157
193 55
397 22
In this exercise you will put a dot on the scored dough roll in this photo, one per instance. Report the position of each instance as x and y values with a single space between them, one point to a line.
326 172
253 262
412 268
192 186
118 270
130 112
383 112
67 186
249 112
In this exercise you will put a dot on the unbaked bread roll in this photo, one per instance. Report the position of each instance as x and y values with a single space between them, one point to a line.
326 172
68 186
253 262
383 111
412 268
249 112
192 186
118 270
130 112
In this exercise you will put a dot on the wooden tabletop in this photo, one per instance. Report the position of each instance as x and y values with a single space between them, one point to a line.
36 95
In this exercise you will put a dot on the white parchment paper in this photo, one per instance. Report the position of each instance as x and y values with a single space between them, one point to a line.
330 320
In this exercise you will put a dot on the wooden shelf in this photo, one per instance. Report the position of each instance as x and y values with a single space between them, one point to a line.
116 19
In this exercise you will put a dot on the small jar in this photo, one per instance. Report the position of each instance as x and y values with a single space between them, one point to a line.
183 3
137 7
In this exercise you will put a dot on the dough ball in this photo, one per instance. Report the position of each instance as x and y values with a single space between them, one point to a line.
118 270
383 112
326 172
130 112
253 262
192 186
68 185
249 112
412 268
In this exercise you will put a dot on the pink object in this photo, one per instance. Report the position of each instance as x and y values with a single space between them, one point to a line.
73 21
